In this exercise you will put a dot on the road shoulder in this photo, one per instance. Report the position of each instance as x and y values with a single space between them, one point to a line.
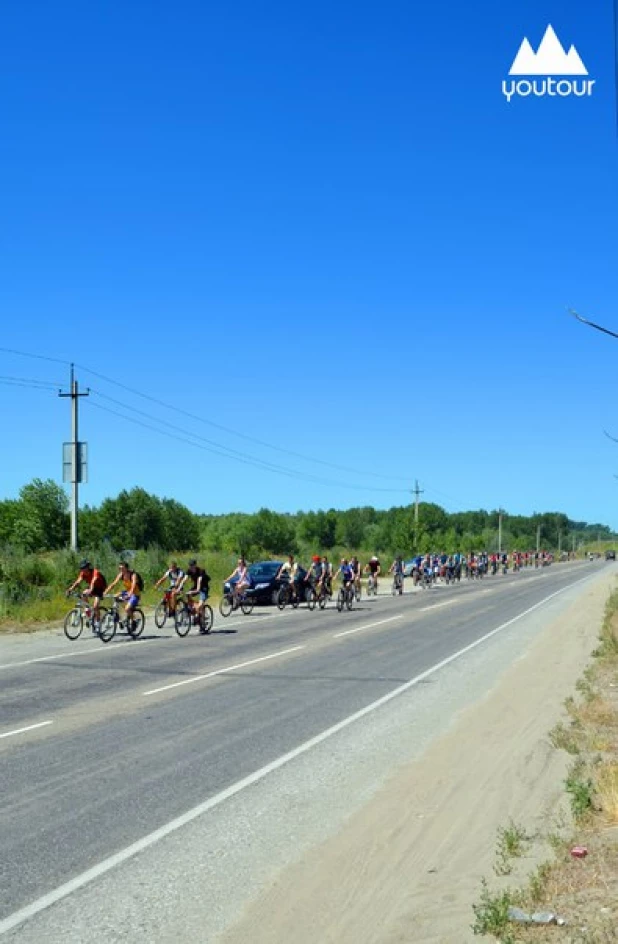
408 864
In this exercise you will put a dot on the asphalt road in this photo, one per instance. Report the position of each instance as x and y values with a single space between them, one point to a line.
102 746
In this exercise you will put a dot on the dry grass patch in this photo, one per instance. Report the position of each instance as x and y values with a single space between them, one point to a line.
606 789
598 712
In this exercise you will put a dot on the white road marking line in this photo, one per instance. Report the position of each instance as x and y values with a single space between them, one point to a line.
434 606
106 865
143 642
229 668
31 727
360 629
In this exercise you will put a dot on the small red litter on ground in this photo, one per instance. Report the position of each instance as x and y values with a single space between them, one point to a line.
579 852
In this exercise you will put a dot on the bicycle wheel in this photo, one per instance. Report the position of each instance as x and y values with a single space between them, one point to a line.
282 598
322 600
182 620
97 623
206 619
246 605
340 600
160 615
226 605
107 627
310 598
73 624
349 599
357 594
135 627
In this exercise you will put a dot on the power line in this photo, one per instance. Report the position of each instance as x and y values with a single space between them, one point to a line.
235 432
256 463
38 357
225 429
27 382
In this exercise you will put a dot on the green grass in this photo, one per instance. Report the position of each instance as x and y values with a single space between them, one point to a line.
512 842
491 914
32 586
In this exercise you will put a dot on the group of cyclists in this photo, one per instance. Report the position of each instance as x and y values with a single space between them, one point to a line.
97 587
320 577
452 567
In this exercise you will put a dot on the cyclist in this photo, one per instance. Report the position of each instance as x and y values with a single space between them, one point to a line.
133 587
200 588
373 568
175 576
347 575
356 570
243 581
96 584
326 580
396 569
290 571
314 574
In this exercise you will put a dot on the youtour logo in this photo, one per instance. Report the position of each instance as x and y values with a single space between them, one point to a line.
548 61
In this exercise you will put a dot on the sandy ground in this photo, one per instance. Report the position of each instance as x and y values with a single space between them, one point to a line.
407 867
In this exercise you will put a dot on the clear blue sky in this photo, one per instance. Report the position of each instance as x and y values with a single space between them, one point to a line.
320 224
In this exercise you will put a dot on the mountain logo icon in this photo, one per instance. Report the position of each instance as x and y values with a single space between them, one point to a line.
550 58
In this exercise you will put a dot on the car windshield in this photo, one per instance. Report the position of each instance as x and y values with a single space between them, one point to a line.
265 570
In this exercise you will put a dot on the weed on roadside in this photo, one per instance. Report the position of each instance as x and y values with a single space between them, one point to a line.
512 840
491 914
580 793
538 882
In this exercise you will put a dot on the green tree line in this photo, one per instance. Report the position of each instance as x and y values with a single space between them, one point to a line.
39 521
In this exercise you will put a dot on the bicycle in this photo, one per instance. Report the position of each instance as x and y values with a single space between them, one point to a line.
188 615
288 594
82 615
426 580
397 587
345 598
233 600
372 585
162 610
134 624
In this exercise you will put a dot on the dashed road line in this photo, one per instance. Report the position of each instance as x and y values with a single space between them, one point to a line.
360 629
435 606
229 668
30 727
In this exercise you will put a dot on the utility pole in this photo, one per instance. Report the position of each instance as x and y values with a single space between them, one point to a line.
538 538
416 492
559 542
77 455
499 532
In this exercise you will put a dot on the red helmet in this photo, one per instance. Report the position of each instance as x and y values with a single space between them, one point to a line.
316 558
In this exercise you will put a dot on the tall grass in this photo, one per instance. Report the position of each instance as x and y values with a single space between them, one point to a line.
32 586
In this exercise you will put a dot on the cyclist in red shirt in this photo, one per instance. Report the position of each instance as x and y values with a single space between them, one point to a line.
96 584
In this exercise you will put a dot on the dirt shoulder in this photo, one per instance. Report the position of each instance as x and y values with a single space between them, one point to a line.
408 866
